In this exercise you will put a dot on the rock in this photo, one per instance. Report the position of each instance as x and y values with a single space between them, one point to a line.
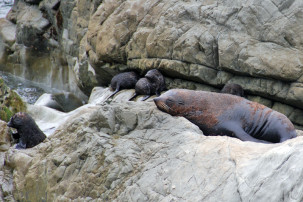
64 102
10 102
7 32
203 44
30 27
5 138
130 151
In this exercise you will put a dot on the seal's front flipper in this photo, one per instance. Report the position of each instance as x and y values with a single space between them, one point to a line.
16 136
114 93
242 135
135 95
239 133
145 98
21 145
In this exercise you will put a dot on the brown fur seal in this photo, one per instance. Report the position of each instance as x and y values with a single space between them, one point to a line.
234 89
125 80
29 134
224 114
152 83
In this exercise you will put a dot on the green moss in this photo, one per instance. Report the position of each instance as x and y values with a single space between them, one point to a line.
10 102
5 113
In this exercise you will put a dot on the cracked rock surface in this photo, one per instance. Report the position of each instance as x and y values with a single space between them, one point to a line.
131 151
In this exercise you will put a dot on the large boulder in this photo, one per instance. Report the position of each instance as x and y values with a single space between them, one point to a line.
131 151
196 45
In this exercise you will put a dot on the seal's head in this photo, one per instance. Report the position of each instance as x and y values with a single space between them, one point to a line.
173 102
153 74
18 119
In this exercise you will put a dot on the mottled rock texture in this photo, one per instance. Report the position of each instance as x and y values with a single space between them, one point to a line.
196 44
131 151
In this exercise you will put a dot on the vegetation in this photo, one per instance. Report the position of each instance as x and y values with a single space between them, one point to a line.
10 102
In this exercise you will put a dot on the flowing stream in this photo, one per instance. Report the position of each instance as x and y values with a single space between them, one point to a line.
29 91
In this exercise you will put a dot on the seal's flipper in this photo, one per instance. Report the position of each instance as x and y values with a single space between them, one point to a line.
135 95
21 145
240 133
114 93
145 98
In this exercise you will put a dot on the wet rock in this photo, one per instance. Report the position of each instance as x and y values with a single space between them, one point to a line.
64 102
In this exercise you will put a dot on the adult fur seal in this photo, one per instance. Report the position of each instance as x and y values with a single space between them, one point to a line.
152 83
234 89
125 80
29 134
225 114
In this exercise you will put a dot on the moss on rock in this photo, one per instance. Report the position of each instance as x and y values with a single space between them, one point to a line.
10 102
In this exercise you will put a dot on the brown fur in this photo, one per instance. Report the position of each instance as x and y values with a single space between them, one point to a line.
225 114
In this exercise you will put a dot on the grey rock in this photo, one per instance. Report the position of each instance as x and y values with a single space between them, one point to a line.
64 102
130 151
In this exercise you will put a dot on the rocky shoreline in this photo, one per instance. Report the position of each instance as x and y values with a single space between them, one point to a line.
75 46
130 151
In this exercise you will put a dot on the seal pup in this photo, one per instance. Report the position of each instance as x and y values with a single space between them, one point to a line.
153 83
234 89
144 87
225 114
29 134
125 80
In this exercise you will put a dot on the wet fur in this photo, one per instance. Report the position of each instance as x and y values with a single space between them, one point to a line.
29 134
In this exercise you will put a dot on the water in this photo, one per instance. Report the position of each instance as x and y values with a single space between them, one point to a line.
29 91
5 6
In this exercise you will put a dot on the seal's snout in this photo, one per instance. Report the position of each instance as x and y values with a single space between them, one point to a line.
9 124
156 100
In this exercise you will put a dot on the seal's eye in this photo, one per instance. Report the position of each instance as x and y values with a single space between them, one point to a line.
180 102
169 101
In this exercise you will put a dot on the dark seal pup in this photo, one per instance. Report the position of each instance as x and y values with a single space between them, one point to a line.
125 80
152 83
29 134
144 87
225 114
234 89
